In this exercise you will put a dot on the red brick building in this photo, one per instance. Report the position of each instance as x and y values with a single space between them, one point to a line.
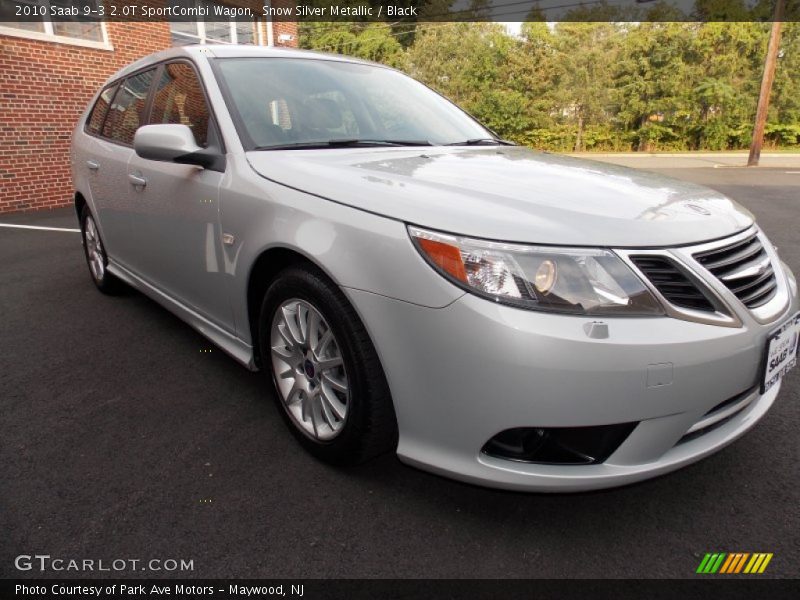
49 71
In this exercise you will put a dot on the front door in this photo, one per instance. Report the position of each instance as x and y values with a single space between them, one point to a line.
177 225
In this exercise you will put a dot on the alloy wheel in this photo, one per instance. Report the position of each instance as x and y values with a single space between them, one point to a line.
94 249
309 370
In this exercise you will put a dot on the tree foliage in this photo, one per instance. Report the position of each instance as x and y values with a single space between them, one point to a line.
594 85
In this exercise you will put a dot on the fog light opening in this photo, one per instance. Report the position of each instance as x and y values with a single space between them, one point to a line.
559 445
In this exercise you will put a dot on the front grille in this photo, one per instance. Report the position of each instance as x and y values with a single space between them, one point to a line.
744 268
672 282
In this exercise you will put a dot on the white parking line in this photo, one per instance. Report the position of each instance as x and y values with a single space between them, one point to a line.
13 226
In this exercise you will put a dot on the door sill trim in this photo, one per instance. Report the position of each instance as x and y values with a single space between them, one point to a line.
235 347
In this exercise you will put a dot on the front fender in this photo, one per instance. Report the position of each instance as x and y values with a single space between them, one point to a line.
355 248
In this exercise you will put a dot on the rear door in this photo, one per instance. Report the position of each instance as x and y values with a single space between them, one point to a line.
178 237
107 160
90 151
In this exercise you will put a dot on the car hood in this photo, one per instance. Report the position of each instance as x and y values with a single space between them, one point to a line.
510 194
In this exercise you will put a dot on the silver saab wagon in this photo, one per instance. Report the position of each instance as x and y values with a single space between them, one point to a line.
408 281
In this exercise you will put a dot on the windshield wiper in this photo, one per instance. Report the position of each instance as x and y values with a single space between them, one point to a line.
482 141
343 143
356 142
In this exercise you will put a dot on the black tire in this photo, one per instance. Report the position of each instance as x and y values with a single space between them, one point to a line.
370 428
105 282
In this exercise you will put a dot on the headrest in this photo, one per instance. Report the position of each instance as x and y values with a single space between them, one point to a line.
324 113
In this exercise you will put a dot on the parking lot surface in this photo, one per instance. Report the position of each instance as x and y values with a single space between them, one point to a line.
122 437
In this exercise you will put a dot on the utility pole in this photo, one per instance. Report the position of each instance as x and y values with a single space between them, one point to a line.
766 85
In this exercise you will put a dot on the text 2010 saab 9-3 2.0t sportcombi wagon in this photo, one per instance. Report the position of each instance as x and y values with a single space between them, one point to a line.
410 282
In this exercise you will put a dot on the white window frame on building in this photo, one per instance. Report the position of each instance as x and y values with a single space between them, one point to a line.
201 35
47 33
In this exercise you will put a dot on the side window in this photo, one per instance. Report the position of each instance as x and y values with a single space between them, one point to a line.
179 99
95 121
127 111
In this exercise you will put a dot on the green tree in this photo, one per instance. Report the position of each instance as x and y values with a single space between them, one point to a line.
584 59
372 41
651 82
785 105
647 85
727 59
468 62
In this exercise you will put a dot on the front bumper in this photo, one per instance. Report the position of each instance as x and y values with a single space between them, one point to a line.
459 375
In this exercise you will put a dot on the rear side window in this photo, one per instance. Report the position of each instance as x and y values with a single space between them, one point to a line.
127 110
98 114
179 99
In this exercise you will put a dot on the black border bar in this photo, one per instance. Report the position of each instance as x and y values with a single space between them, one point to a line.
398 12
709 586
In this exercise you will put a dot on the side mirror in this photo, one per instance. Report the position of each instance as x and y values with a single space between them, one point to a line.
172 143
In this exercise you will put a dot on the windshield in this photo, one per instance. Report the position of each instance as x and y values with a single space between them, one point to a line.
295 102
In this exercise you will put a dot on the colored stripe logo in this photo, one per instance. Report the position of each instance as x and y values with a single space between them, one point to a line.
734 563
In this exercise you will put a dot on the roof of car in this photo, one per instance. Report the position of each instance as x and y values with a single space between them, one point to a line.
228 51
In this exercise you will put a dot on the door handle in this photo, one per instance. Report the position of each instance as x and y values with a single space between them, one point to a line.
93 165
137 180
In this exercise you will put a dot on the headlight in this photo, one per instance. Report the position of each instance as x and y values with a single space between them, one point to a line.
584 281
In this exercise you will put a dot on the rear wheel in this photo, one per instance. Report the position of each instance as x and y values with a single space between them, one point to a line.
328 380
95 254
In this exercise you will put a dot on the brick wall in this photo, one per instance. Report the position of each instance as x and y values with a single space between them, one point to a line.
280 28
44 88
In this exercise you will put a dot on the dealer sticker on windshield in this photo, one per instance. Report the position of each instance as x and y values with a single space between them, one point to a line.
781 352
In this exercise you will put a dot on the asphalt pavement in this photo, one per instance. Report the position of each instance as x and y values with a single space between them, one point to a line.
122 437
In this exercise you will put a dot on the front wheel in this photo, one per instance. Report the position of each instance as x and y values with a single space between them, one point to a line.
328 380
